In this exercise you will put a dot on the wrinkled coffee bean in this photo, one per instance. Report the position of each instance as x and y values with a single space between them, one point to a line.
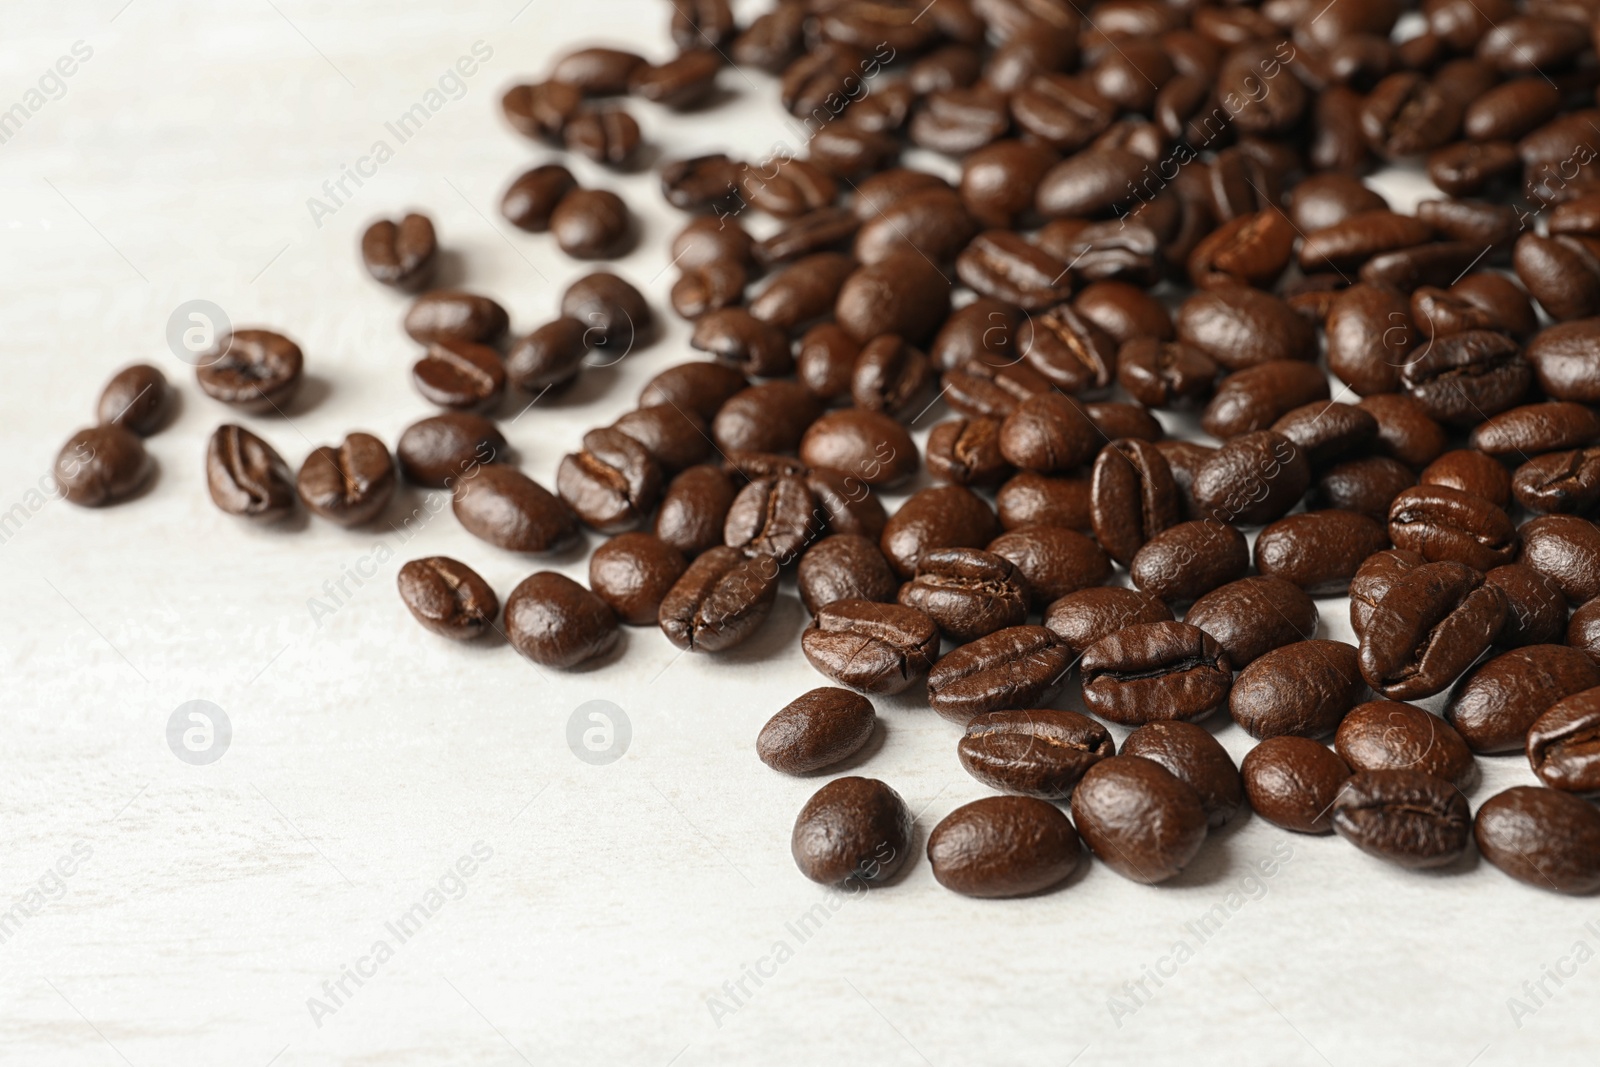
349 485
1003 847
1319 551
942 517
555 622
1565 549
1252 479
244 474
816 730
721 600
1495 704
852 829
401 254
1011 668
871 647
612 484
1151 672
967 452
1053 560
967 592
448 597
1196 759
1132 497
1186 561
1140 819
1440 523
1564 744
844 567
1293 782
1407 817
1038 753
1431 623
256 371
1304 688
1252 616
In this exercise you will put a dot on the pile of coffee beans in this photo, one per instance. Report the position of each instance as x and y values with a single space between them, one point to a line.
1150 208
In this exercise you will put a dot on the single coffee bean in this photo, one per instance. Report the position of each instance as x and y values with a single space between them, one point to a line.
1327 432
1252 248
1373 579
930 222
847 502
698 388
614 312
612 484
1195 758
1038 753
555 622
967 452
1063 112
1407 817
770 417
1033 499
244 475
1070 352
102 465
1565 549
1367 486
632 574
903 295
1470 471
871 647
967 592
1124 311
891 377
455 315
506 508
844 567
597 71
1439 523
533 197
256 371
1083 618
1257 397
681 83
1562 273
1241 327
1304 688
733 335
349 485
1004 266
1319 551
1559 482
721 600
138 399
1252 616
1405 430
460 375
1534 428
549 356
1465 378
999 180
1053 560
448 597
1048 433
1495 704
992 389
1186 561
1386 735
1132 497
438 452
1252 479
1347 244
805 290
607 135
401 254
694 509
948 516
1003 847
1140 819
1010 668
1536 612
705 183
1543 837
1293 782
852 829
1564 744
1165 374
816 730
793 189
1158 671
1429 626
1370 338
982 330
707 288
592 224
774 515
675 438
541 111
826 360
1562 360
1089 185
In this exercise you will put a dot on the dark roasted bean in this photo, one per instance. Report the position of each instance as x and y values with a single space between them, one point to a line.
556 622
613 310
968 592
1304 688
401 254
1012 668
256 371
612 484
1188 560
548 356
1195 758
1470 471
1252 616
438 452
455 315
1156 671
448 597
852 829
506 508
721 600
1319 551
1139 818
871 647
632 573
844 567
1292 782
1543 837
244 474
1404 816
1386 735
1054 560
349 485
1495 704
1003 847
816 730
1132 497
460 375
1440 523
1431 624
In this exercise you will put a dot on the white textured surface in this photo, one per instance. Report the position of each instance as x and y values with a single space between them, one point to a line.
368 756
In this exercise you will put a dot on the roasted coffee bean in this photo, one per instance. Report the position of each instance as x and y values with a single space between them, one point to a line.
597 71
1373 579
674 438
805 290
1562 273
1118 418
1292 782
702 24
438 452
1063 112
967 452
1347 244
548 356
891 376
555 622
1465 378
1004 266
852 829
708 287
1319 551
1252 616
1438 263
1252 249
775 515
1037 753
1328 198
1032 499
693 510
826 360
1156 671
980 331
1370 338
770 417
1304 689
1126 250
1003 847
1431 624
138 399
1012 668
903 295
1405 431
999 180
848 502
1367 485
1407 817
942 517
1470 471
1124 311
816 730
1241 327
632 573
851 150
454 315
877 194
1440 523
1188 560
1132 497
844 567
1253 479
1257 397
816 231
794 188
1139 818
401 254
1195 758
244 474
1047 433
349 485
1327 431
967 592
1071 353
613 310
721 600
1495 704
960 120
1385 735
1465 168
1535 428
1536 611
1562 358
1560 482
871 647
105 465
448 597
1089 185
1165 374
867 445
695 388
541 111
703 183
1544 837
460 375
592 224
735 336
612 484
607 135
256 371
1564 744
683 82
1055 561
506 508
996 389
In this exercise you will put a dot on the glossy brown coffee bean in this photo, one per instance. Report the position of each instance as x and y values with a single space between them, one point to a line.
1367 485
1406 817
826 360
942 517
541 111
1047 433
1132 497
1384 735
555 622
699 388
632 573
107 464
1304 689
1559 482
1566 549
903 295
1439 523
1252 616
844 567
1405 430
1472 472
1253 479
608 135
931 222
694 508
1536 612
1032 499
1564 744
805 290
683 82
1327 432
1165 374
1188 560
1124 311
721 600
614 312
244 474
1467 377
1071 353
448 597
1370 338
967 452
456 315
1004 266
871 647
349 485
506 508
1292 782
256 371
868 445
597 71
613 484
1012 668
1495 704
438 452
774 515
1430 625
1138 818
1373 579
1256 397
967 592
460 375
982 330
999 180
708 288
1038 753
891 376
733 335
1151 672
401 254
1054 561
1003 847
1543 837
1240 327
816 730
1082 618
1328 198
138 399
770 417
852 829
1561 273
1319 551
548 356
675 438
1195 758
1535 428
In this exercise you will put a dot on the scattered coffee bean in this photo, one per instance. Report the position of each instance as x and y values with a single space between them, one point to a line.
816 730
1003 847
612 484
869 445
1431 623
1495 704
632 573
1197 759
349 485
1011 668
694 510
1038 753
503 506
533 197
1406 817
401 254
871 647
455 315
448 597
948 516
244 474
1187 561
1156 671
845 567
1319 551
1440 523
1082 618
770 417
1536 612
1252 616
1543 837
721 600
1304 688
1470 471
440 451
1565 549
852 829
1139 818
138 399
460 375
1293 782
1564 744
555 622
967 592
256 371
1385 735
1132 497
